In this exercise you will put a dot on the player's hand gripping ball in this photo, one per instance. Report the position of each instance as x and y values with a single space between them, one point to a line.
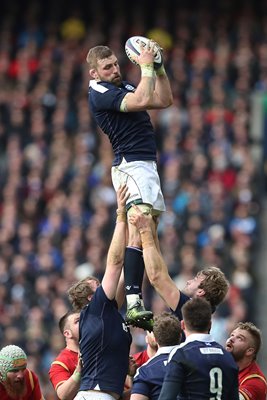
133 46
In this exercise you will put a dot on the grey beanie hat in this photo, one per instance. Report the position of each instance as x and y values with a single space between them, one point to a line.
11 357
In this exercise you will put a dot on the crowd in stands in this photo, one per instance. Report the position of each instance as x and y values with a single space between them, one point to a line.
57 203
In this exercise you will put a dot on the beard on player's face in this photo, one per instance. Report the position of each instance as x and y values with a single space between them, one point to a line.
115 78
15 387
238 354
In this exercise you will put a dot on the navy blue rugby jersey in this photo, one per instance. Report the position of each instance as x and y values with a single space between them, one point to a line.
183 299
178 312
131 134
149 377
104 345
200 369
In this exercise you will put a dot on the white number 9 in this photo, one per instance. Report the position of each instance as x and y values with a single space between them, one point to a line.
216 383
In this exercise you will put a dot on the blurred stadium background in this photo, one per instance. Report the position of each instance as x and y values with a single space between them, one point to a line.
57 204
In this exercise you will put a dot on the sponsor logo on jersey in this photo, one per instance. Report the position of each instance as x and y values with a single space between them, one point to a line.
130 87
210 350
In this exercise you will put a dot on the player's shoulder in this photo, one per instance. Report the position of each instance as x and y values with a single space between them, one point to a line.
30 373
65 357
209 347
255 369
64 354
151 367
99 87
105 87
173 352
102 87
156 359
199 345
31 377
128 86
252 373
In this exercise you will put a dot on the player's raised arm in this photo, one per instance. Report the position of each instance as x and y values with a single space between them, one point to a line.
149 93
115 257
155 266
162 84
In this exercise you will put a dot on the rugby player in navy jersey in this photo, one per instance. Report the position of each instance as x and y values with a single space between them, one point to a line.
119 109
199 368
104 338
210 282
148 380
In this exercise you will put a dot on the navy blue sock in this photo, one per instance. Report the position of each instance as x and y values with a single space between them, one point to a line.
133 270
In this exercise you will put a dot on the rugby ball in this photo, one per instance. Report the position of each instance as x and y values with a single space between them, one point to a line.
132 49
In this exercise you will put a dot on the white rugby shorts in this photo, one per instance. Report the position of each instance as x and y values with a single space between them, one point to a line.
142 180
93 395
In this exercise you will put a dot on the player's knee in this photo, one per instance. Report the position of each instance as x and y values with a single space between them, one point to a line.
134 239
144 208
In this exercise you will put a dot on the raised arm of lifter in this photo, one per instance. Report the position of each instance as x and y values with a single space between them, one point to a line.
115 257
155 266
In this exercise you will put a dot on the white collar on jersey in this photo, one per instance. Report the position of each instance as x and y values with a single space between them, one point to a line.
164 350
201 337
97 86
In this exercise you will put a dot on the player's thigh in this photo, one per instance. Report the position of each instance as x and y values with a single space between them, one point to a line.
142 180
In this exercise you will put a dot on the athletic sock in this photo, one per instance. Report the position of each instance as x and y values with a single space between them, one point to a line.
133 275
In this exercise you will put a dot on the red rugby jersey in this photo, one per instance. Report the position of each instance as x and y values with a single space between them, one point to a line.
252 383
33 391
63 367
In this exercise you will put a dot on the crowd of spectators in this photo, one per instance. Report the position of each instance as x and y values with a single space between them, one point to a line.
57 204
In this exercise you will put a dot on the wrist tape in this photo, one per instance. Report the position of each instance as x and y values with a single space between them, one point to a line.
147 70
121 215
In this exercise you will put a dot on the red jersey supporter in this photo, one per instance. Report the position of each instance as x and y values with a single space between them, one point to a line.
252 383
64 372
141 357
152 347
244 343
17 382
63 367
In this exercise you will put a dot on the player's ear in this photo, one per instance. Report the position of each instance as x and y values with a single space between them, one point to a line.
67 333
150 338
200 292
89 297
93 73
182 325
250 351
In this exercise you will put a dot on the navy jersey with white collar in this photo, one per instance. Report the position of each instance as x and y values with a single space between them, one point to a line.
104 345
200 369
131 134
149 377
